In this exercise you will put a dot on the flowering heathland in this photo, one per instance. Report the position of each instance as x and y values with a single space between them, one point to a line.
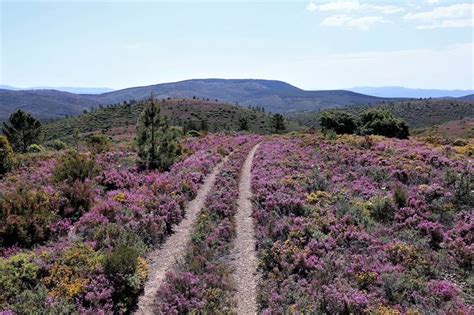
75 227
360 224
202 281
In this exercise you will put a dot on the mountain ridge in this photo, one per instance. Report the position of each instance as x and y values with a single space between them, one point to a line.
399 91
273 95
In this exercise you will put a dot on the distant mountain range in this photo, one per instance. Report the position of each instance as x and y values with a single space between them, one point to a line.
397 91
77 90
274 96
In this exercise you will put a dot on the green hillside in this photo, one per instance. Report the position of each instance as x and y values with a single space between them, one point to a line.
190 114
417 113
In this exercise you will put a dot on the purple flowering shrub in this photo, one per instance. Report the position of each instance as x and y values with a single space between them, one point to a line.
357 225
201 282
85 223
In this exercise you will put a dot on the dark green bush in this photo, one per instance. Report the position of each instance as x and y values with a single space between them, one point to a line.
381 209
338 121
58 145
99 143
383 123
79 195
113 235
74 166
36 148
120 267
17 274
6 155
25 217
400 196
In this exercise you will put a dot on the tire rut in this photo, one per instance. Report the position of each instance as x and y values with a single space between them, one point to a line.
245 258
164 258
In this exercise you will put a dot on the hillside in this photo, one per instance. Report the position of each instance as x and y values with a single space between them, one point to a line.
417 113
44 103
182 112
274 96
469 97
70 89
398 91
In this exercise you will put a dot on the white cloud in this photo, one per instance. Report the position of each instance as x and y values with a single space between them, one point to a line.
457 15
448 24
432 1
359 23
461 10
352 6
311 7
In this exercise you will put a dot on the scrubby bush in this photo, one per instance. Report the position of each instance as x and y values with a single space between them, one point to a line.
193 133
99 143
25 216
6 155
383 123
36 148
58 145
381 209
17 274
338 121
400 196
463 189
74 166
73 271
79 196
121 267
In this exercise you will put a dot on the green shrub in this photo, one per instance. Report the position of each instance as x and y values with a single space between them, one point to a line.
72 271
74 166
25 217
113 235
330 134
338 121
99 143
6 155
122 260
17 274
79 196
193 133
34 299
400 196
463 189
36 148
383 123
381 209
121 269
58 145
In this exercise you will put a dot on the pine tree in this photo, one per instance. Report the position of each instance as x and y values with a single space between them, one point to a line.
157 141
278 122
22 130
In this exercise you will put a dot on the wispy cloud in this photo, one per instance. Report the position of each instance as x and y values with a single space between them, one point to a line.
353 6
456 15
358 23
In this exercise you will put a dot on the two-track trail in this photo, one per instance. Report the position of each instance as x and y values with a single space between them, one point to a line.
245 257
164 258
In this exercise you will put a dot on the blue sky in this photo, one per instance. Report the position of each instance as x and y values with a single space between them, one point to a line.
311 44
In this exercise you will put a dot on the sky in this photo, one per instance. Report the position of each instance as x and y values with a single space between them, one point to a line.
311 44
